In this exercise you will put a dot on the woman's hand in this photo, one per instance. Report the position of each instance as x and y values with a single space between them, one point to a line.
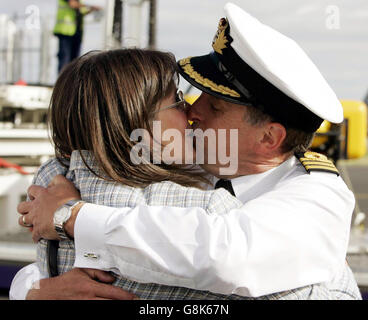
38 214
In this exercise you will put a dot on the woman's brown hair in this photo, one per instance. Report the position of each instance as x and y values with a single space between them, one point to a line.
100 98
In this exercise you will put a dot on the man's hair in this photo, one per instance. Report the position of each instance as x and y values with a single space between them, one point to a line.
295 141
97 102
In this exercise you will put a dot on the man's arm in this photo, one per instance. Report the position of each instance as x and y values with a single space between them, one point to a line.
75 4
235 253
278 242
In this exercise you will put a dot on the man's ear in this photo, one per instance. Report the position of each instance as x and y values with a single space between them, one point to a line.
274 135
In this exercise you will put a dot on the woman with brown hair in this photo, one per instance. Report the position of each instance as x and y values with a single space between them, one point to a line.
99 100
109 95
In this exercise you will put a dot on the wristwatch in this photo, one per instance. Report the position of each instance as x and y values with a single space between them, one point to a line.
62 215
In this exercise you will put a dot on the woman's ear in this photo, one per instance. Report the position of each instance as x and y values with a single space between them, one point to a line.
274 135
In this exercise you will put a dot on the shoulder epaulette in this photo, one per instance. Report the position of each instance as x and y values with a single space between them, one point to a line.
313 161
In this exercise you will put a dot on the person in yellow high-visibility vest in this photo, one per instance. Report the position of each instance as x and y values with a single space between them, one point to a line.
69 29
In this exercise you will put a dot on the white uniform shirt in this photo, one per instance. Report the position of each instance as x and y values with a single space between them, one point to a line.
292 231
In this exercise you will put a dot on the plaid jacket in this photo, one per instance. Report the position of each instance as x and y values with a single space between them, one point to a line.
96 190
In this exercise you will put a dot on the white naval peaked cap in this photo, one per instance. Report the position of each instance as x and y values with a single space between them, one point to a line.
282 62
253 64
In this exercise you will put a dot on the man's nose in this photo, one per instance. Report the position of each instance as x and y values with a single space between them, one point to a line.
194 112
190 113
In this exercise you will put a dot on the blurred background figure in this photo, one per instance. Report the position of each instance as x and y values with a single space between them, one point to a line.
69 29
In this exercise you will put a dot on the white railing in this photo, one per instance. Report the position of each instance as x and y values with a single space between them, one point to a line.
25 50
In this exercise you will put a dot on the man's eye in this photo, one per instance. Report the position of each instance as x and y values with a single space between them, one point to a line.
214 108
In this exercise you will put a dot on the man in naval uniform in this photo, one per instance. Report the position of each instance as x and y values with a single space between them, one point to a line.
293 229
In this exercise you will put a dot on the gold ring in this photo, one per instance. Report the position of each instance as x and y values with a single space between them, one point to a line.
25 223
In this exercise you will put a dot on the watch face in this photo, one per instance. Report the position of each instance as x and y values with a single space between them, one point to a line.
61 215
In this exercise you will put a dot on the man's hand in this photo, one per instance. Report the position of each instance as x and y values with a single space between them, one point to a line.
39 212
95 8
75 4
79 284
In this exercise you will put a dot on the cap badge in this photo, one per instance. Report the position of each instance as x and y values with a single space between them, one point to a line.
220 40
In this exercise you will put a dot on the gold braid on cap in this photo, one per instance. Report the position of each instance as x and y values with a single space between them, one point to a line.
220 40
189 70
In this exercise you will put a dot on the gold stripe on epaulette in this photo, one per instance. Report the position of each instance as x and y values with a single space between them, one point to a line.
311 168
189 70
313 161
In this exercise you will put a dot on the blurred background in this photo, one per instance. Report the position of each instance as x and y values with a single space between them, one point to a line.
334 35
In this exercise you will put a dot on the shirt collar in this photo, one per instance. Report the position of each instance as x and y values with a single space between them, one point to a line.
251 186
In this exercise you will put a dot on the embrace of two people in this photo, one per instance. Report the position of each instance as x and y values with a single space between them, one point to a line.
109 228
